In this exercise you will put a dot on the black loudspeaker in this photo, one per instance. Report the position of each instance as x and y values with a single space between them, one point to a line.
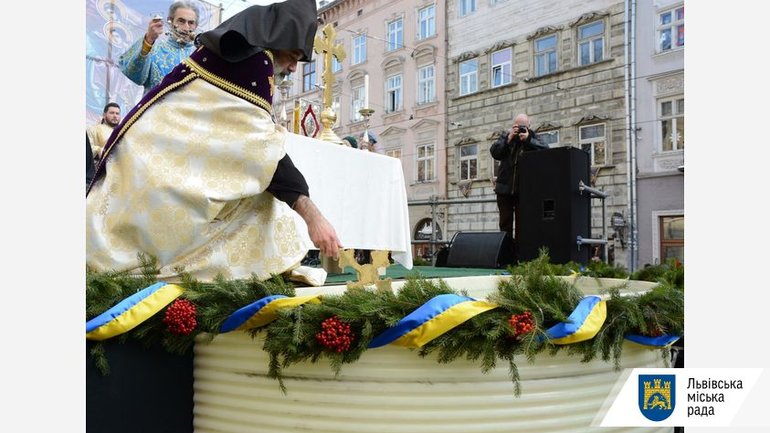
488 250
552 210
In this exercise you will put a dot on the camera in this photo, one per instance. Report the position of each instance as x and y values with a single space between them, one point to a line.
522 129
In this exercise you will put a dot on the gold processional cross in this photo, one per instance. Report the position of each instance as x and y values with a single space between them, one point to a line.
328 49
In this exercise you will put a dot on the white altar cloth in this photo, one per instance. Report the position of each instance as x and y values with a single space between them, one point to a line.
362 194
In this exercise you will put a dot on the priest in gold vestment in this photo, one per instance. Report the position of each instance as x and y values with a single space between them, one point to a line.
99 133
197 174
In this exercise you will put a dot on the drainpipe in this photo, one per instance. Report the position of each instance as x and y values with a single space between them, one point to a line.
629 36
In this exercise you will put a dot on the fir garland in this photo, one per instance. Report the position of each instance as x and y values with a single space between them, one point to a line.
351 320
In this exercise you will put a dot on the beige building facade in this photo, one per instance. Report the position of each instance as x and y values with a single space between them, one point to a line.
563 64
444 78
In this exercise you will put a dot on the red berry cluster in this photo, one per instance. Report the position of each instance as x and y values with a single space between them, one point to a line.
180 317
335 335
522 323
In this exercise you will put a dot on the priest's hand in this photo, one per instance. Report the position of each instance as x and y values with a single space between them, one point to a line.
321 232
154 30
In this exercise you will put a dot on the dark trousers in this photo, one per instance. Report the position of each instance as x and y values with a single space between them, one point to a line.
508 209
509 212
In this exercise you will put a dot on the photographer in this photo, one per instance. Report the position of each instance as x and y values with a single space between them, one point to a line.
507 149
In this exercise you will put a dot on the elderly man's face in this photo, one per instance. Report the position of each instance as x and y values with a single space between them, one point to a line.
185 22
286 62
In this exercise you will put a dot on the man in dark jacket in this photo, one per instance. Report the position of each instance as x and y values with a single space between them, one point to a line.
507 149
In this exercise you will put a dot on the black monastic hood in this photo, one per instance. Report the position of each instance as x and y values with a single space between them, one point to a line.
289 25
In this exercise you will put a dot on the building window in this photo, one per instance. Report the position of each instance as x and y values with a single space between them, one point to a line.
425 163
671 29
593 140
466 7
591 43
308 76
336 108
395 35
426 18
551 138
469 161
501 68
394 153
469 76
336 65
393 94
357 103
545 55
672 124
426 85
672 238
359 50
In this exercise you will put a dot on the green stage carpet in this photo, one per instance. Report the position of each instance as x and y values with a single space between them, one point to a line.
398 272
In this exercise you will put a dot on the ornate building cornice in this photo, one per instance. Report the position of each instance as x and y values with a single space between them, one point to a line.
546 126
465 56
588 17
591 118
499 45
542 31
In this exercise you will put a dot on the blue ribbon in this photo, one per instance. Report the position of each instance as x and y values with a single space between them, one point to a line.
243 314
418 317
660 341
121 307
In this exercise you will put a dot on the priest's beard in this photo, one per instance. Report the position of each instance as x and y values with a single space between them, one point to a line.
279 75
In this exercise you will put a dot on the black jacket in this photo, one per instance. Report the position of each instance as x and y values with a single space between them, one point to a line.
508 155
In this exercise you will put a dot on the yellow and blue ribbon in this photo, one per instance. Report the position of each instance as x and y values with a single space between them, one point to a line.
582 324
132 311
262 312
660 341
431 320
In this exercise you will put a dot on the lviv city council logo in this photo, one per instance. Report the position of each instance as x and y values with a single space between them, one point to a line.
657 395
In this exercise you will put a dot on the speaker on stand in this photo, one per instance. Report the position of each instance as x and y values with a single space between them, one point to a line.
554 214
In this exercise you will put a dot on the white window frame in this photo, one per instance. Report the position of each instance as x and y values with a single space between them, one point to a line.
426 22
671 28
593 43
675 118
592 143
552 133
469 81
656 238
466 7
547 54
394 153
504 69
426 84
395 33
394 94
359 50
427 160
356 103
469 160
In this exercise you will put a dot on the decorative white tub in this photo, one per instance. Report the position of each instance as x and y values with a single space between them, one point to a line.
392 389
